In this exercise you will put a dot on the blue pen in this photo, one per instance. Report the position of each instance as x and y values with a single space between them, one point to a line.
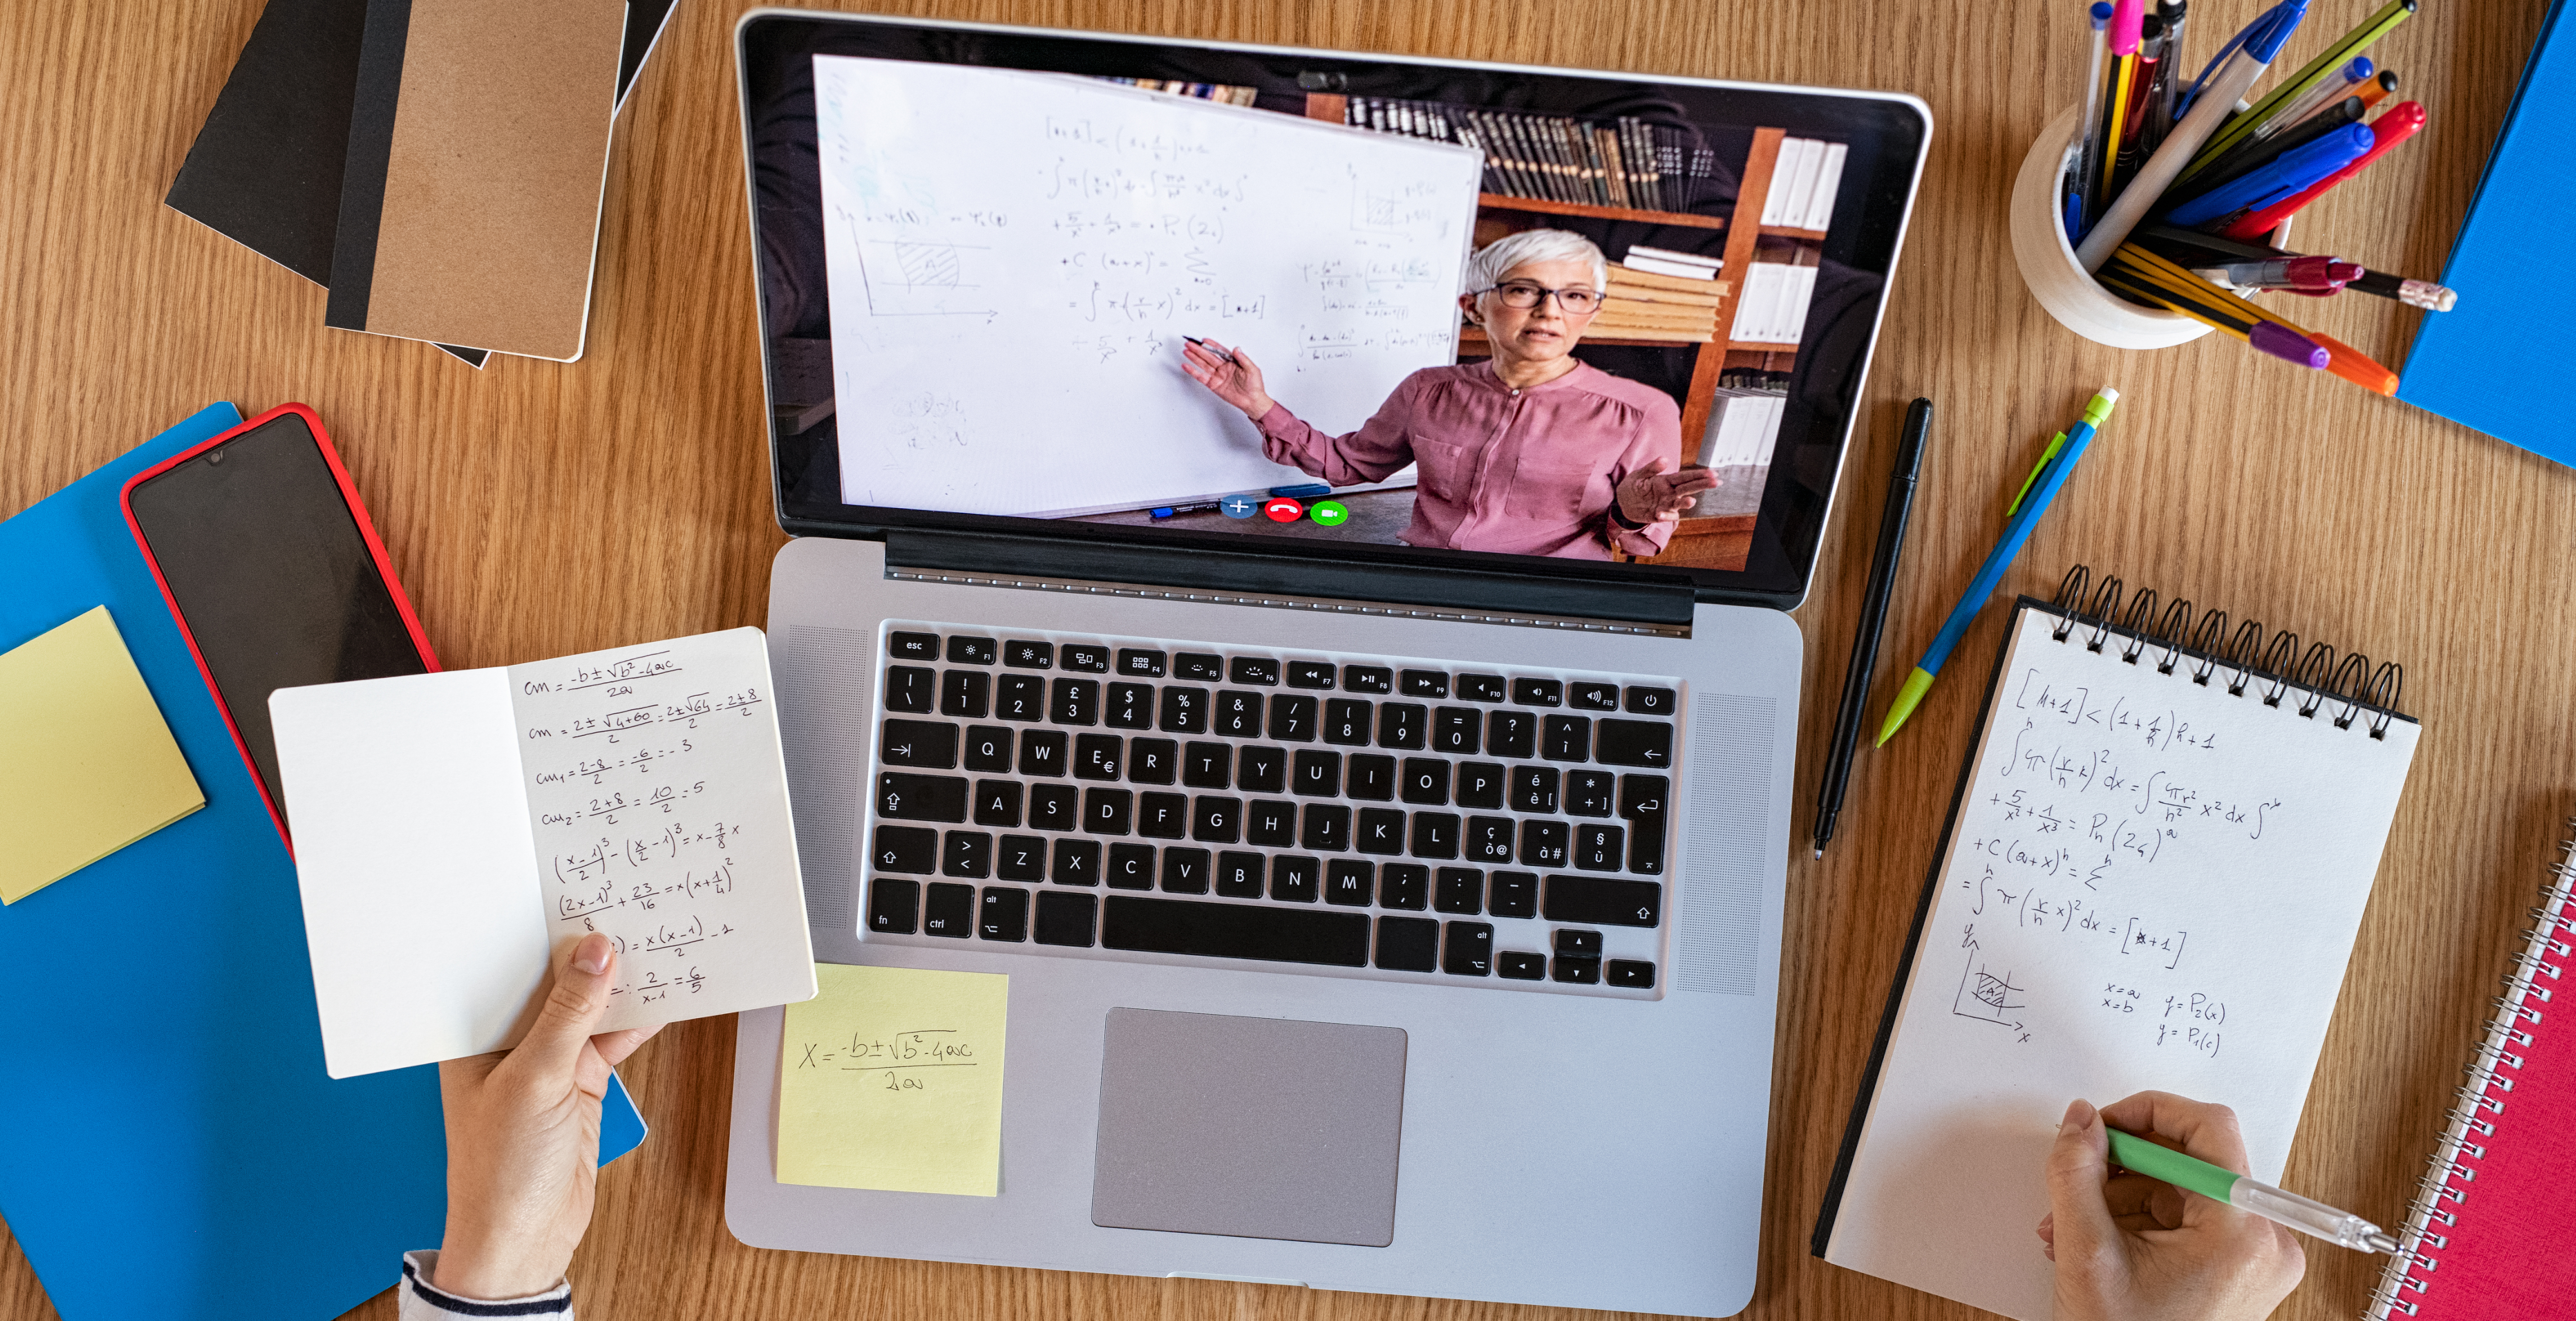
2296 171
2078 438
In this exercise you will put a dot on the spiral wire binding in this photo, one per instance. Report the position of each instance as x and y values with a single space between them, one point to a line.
2453 1167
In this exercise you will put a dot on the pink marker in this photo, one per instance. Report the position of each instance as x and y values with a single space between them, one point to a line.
2126 18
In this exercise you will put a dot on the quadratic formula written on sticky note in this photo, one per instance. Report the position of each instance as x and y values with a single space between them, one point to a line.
891 1079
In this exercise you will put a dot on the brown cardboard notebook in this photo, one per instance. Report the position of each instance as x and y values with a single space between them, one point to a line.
478 149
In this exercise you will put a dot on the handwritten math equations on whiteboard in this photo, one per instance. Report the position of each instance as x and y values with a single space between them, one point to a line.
1014 257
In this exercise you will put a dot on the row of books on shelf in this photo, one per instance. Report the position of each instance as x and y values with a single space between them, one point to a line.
1743 425
1221 93
1773 309
1806 180
1625 162
1661 295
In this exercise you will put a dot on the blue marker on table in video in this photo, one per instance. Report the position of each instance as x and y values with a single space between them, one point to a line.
2079 437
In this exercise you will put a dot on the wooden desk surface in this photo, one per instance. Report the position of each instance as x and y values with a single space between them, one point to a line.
536 509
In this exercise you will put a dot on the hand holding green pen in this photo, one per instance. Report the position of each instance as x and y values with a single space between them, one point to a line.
2133 1248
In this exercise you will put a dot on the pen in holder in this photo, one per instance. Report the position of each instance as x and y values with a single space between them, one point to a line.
2047 256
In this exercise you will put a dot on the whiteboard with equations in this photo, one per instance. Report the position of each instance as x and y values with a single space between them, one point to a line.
2149 884
1013 260
454 830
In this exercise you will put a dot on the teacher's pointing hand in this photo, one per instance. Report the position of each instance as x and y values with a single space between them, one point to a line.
1229 374
1655 494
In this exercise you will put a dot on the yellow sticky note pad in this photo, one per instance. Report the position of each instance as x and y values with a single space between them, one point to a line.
891 1079
87 765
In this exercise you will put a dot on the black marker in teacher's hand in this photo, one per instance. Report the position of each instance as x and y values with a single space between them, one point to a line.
1873 618
1221 355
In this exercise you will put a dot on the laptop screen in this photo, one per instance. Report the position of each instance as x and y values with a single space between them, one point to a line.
1218 297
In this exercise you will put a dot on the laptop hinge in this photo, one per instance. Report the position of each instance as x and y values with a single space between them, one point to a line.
1653 604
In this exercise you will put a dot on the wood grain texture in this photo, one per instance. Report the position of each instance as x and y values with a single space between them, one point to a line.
537 509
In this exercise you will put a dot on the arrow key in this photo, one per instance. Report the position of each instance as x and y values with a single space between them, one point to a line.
1647 743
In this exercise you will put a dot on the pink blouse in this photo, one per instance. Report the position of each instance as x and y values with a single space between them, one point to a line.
1523 472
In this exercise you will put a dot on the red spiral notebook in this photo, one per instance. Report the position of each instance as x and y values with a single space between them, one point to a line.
2487 1236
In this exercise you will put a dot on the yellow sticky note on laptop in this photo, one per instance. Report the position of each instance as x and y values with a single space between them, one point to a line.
891 1079
87 765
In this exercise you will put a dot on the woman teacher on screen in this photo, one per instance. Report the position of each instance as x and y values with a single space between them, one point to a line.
1530 453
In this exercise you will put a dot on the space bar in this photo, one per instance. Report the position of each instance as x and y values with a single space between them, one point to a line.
1235 931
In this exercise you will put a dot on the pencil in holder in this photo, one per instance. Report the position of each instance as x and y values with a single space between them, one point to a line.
2047 256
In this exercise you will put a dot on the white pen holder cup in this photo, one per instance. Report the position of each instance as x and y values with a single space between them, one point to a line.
2047 258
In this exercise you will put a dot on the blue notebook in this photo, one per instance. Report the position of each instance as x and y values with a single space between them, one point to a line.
2474 364
170 1147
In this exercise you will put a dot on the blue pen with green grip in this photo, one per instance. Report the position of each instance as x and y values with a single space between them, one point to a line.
2078 438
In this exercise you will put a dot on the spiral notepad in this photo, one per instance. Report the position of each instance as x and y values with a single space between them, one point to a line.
2487 1236
2151 878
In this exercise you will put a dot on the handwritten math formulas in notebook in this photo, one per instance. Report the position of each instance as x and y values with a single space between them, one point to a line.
2154 871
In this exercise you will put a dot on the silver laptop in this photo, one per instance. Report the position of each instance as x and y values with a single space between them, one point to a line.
1386 907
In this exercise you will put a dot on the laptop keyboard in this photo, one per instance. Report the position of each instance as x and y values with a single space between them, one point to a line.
1412 820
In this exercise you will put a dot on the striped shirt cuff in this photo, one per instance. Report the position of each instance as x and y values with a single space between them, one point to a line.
423 1301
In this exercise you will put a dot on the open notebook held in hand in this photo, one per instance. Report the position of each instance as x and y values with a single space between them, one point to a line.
453 829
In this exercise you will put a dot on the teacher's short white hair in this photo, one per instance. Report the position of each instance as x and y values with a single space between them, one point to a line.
1486 268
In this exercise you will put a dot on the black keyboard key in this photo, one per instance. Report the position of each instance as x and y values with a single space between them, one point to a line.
1075 702
1019 697
1542 843
965 694
1262 769
1318 774
1457 730
1602 901
1270 823
950 911
1005 914
1647 743
1481 687
1310 674
1538 692
1402 725
894 907
966 853
1199 665
1480 784
1044 752
1131 867
1054 807
1216 820
1066 919
1468 950
924 743
1371 777
1424 683
1520 967
1028 655
1566 738
1512 894
1407 944
1349 883
1328 828
1253 669
1238 714
1097 756
1020 858
1403 885
1511 734
1435 835
902 797
1089 657
973 651
1636 974
1579 972
1641 800
1238 875
1346 721
1489 839
1184 710
1138 663
1162 816
1533 789
988 748
1292 719
1152 760
1235 931
1077 862
1207 766
1599 848
1185 871
1381 832
912 646
1459 890
906 849
997 803
1106 811
1651 702
1581 944
910 689
1368 679
1295 880
1591 793
1592 696
1131 706
1425 781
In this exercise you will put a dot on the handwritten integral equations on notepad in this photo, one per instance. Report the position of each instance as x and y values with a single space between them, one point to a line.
2150 883
891 1079
451 829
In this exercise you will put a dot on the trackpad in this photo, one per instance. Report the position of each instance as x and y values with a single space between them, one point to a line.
1256 1127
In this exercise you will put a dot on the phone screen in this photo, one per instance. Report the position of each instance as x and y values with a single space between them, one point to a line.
271 576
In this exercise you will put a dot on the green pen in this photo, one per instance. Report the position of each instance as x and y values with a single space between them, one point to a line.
2246 1193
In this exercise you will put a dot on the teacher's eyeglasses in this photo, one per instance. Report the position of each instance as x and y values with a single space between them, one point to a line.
1521 296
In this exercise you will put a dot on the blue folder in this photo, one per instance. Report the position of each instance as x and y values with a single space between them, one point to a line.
170 1147
2489 363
